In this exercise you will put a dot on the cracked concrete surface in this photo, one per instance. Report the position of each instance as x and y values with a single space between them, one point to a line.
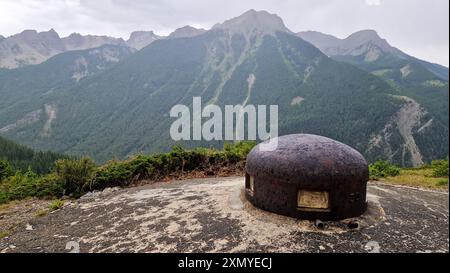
211 215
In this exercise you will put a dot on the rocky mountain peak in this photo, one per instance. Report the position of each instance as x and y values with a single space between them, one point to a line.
360 42
51 32
33 47
139 34
76 41
367 36
254 21
31 34
29 47
75 36
141 39
186 31
27 33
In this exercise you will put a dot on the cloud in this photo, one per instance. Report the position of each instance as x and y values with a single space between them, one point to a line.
73 3
373 2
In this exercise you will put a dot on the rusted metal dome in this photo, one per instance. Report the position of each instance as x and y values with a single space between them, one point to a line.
308 177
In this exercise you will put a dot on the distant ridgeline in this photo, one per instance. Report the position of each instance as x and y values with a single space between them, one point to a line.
22 158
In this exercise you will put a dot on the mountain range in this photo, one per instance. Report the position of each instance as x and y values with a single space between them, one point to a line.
366 46
113 100
31 47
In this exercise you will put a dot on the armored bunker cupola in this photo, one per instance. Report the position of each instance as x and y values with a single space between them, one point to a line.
308 177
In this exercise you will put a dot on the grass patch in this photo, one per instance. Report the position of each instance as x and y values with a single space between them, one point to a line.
41 213
418 177
6 206
5 233
442 182
56 205
431 176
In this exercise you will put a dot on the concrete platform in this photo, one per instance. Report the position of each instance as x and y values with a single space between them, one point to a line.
211 215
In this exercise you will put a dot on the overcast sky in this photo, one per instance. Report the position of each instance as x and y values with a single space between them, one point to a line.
418 27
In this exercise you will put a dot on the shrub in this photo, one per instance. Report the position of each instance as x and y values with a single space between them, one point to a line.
5 169
177 161
382 169
75 174
114 173
18 186
440 168
50 185
29 184
239 149
442 182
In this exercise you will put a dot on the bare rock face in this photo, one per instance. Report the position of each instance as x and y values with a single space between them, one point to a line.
79 42
186 32
366 42
31 47
368 47
254 21
369 42
141 39
410 123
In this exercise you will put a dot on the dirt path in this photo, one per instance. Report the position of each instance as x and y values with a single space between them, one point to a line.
210 215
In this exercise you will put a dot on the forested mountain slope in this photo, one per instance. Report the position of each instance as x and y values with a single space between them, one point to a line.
254 59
